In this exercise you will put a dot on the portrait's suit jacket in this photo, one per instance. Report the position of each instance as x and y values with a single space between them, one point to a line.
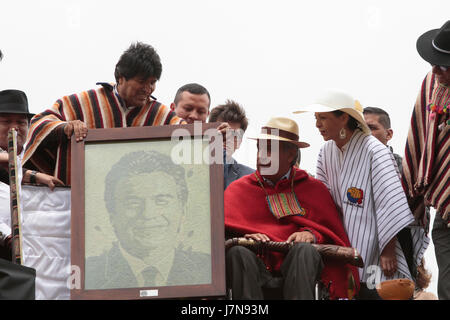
111 270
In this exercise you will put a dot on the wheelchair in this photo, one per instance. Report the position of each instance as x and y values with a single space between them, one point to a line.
273 290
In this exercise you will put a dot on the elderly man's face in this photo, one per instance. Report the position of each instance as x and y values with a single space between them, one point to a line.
442 74
148 212
17 121
274 159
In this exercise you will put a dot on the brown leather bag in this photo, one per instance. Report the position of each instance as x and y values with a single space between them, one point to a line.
397 289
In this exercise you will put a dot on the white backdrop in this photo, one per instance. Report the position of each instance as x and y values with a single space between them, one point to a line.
270 56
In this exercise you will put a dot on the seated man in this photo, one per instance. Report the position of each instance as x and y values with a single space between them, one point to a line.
282 203
14 114
232 113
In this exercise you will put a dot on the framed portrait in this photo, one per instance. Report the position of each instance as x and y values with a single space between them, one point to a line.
147 213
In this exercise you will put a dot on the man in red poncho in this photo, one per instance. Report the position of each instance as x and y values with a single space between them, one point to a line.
282 203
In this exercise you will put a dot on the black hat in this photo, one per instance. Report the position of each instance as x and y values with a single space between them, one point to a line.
14 101
434 46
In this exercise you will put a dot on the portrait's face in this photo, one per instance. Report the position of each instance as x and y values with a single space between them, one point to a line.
329 125
192 107
148 212
377 129
17 121
442 74
137 90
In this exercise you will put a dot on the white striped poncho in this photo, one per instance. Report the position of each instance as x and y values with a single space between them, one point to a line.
365 185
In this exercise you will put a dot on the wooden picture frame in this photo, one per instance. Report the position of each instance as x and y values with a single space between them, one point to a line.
96 153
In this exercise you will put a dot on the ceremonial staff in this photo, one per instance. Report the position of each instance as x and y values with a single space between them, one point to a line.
15 198
327 251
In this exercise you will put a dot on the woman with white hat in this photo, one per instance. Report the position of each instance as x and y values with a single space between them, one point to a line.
361 175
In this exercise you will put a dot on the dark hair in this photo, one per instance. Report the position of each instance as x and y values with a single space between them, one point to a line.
352 123
383 116
139 59
193 88
1 55
231 111
139 162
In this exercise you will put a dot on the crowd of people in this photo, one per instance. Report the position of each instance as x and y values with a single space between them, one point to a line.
362 196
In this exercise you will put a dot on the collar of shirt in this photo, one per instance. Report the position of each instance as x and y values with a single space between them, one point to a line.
341 151
136 265
286 176
122 102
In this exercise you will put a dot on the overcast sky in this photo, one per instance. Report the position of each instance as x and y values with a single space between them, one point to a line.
270 56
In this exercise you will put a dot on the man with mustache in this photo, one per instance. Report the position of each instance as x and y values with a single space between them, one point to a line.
147 219
126 103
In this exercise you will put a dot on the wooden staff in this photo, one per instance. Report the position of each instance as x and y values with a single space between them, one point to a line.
327 251
15 199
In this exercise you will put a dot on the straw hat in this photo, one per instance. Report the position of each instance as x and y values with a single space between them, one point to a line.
282 129
332 100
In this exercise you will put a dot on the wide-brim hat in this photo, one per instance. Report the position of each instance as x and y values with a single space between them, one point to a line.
14 101
434 46
282 129
333 100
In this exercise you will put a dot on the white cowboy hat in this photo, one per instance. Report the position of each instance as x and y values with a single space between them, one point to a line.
282 129
332 100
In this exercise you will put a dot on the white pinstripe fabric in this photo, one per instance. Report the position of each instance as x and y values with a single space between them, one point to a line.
366 164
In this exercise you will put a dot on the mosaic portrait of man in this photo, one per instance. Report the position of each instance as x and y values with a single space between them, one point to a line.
146 196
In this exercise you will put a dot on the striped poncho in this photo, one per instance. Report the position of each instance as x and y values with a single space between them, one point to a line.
426 165
49 151
364 183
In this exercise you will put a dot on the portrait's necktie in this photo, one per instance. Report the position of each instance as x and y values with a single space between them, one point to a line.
149 275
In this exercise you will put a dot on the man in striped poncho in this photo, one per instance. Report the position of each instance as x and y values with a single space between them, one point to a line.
127 103
427 158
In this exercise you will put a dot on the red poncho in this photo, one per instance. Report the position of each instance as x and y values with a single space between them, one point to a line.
246 212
